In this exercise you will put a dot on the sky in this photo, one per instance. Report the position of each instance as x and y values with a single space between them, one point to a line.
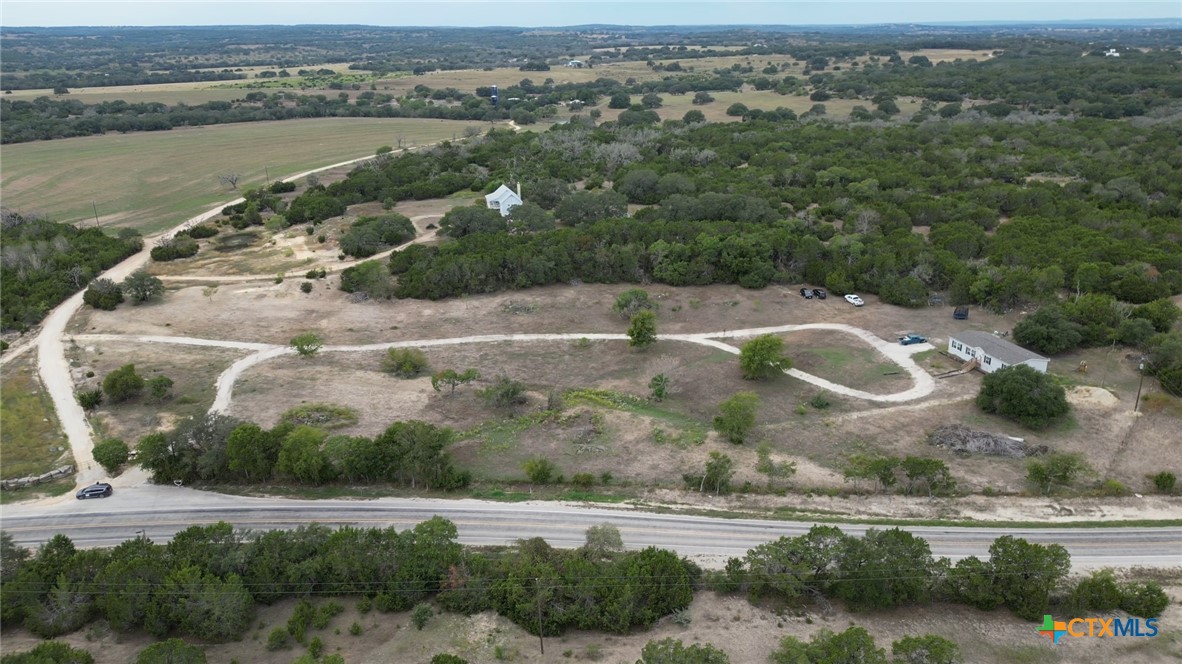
563 12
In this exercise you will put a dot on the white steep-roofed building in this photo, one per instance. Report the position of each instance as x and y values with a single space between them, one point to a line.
503 199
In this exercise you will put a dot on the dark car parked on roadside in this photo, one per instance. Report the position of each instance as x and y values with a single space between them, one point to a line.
819 294
807 293
98 490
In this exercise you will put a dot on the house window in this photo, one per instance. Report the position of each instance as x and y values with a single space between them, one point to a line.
988 360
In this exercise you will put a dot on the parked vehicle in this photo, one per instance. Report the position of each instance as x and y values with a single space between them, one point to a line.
909 339
819 294
961 313
97 490
807 293
854 300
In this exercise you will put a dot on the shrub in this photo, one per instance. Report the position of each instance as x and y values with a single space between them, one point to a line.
279 639
123 384
737 416
90 399
111 454
281 187
202 231
355 629
1164 482
583 480
632 301
160 388
172 651
306 287
369 235
50 652
103 294
504 393
320 415
172 249
820 401
1055 470
420 615
405 362
1145 600
540 471
307 344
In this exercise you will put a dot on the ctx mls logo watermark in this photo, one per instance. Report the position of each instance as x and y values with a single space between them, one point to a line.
1096 627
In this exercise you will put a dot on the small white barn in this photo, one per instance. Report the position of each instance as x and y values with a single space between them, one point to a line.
503 199
993 352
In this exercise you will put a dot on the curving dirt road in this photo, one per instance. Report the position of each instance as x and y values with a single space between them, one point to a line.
53 367
901 355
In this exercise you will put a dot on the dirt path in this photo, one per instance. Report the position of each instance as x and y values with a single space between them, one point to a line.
53 367
428 234
901 355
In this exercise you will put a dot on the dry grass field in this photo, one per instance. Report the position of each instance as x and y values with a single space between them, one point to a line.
642 444
29 434
154 180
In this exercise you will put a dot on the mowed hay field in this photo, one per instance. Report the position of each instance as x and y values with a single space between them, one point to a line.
154 180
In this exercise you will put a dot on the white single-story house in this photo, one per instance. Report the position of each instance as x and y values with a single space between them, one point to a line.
1112 53
575 64
993 352
503 199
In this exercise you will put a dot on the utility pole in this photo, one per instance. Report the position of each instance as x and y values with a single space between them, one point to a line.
94 206
1140 370
267 174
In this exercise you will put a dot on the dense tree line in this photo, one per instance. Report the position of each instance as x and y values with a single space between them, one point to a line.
207 581
218 448
113 76
892 568
43 262
816 202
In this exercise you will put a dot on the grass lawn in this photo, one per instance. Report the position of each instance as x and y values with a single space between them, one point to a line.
154 180
30 441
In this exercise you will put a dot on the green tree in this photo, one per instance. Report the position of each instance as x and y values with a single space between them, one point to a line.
620 100
651 100
540 470
201 605
880 469
932 474
1161 313
926 649
763 357
404 362
529 217
1135 332
719 471
693 116
301 456
1024 574
503 393
421 615
1055 470
471 219
141 286
737 416
885 569
737 110
853 646
172 651
252 451
603 541
50 652
658 387
160 388
123 384
1023 394
1049 331
306 344
452 379
633 301
673 651
103 294
702 97
642 332
111 454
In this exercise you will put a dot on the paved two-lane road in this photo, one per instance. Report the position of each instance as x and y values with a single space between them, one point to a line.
161 511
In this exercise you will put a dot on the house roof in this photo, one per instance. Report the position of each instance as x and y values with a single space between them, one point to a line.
995 346
502 194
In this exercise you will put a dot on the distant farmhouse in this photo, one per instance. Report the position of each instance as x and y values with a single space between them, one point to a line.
992 352
1112 53
576 64
503 199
